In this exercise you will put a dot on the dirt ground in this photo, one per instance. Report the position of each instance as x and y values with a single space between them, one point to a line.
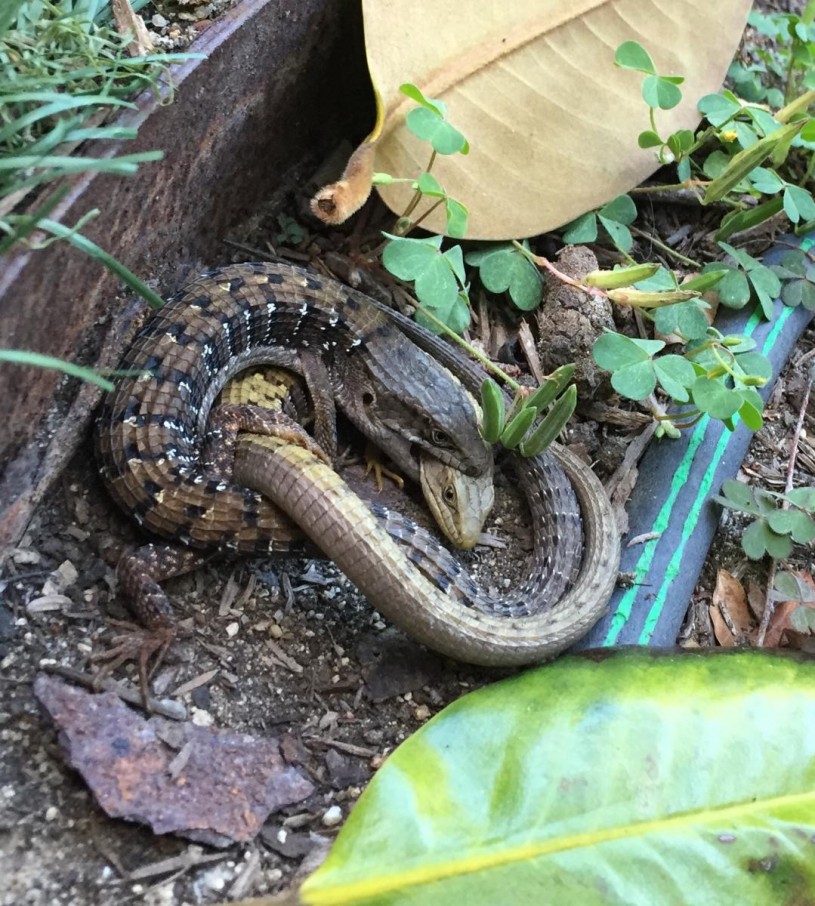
274 648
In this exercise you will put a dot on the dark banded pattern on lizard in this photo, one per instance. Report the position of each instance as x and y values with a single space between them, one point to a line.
151 447
150 435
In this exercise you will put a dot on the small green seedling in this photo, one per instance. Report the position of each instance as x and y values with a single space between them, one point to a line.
515 428
779 519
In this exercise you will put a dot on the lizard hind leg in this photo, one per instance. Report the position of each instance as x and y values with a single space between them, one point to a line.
139 573
229 419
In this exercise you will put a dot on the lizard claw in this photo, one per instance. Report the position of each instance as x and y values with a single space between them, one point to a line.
135 644
374 464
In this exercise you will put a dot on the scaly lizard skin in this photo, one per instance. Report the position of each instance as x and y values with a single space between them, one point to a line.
165 466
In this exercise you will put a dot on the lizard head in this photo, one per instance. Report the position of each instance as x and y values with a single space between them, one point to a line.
412 407
460 503
427 422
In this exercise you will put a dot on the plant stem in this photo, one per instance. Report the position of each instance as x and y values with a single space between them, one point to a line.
493 369
547 265
417 195
665 248
427 213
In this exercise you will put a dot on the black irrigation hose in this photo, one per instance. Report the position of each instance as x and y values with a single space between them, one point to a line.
672 498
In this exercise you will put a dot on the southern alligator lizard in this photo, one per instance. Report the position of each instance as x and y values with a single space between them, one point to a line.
150 442
152 429
419 585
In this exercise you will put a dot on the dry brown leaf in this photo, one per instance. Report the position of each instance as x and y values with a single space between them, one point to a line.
552 123
729 612
779 629
128 23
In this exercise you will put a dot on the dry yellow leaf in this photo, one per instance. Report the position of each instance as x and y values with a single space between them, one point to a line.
552 123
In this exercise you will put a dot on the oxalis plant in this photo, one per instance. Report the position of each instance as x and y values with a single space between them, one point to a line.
752 160
441 288
755 156
715 374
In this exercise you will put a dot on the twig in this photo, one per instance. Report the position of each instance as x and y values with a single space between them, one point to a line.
769 601
665 248
171 710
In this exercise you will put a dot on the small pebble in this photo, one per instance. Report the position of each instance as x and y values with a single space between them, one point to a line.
332 816
158 21
421 712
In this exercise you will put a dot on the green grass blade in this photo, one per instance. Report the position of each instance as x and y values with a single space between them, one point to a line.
91 248
23 357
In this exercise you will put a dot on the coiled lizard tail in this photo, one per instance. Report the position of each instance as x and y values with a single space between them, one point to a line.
151 429
420 586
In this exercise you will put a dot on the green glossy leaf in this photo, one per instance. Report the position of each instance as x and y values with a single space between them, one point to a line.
739 496
526 286
454 258
740 255
715 164
582 230
802 619
733 289
798 204
453 311
799 292
614 350
436 286
790 587
427 125
685 318
408 258
768 182
802 497
635 381
619 233
622 209
457 218
506 269
661 92
676 375
802 527
636 780
753 539
415 94
648 139
713 397
427 184
632 55
754 363
778 545
717 108
750 413
781 521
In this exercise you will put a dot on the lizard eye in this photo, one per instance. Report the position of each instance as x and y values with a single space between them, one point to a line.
440 439
449 494
367 399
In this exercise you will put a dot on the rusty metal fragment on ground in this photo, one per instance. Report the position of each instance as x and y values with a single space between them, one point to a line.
213 786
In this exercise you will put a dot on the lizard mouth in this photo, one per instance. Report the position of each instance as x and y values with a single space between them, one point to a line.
460 503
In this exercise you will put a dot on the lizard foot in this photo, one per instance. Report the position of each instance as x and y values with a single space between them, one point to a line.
147 647
373 463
